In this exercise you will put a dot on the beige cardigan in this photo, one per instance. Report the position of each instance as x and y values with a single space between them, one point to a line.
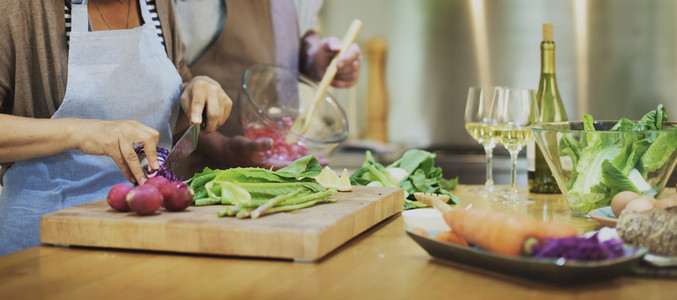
34 55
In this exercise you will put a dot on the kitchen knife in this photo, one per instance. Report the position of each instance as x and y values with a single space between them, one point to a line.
184 146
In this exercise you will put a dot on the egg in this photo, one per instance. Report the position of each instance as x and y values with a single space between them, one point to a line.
643 203
621 200
667 202
650 199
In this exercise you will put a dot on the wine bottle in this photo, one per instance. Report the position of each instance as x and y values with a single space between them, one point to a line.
551 110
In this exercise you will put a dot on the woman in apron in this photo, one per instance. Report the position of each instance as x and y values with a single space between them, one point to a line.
256 32
122 89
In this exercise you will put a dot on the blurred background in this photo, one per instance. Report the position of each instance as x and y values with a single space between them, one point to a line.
614 58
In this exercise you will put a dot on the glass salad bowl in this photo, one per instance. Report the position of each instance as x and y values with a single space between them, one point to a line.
274 99
591 166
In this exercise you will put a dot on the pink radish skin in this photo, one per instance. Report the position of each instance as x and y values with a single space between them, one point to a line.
144 199
117 197
158 181
178 196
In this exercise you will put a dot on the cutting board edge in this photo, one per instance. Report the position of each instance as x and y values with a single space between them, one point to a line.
395 204
318 242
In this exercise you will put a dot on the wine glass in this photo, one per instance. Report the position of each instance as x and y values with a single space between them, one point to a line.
477 122
514 114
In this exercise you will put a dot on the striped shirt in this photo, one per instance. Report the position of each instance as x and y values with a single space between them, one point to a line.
151 8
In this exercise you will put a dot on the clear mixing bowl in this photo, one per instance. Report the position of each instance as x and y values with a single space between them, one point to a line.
590 167
274 98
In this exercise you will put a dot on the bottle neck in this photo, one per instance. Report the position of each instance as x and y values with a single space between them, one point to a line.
547 57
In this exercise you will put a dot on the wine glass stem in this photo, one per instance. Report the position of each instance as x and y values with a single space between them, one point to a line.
513 172
489 154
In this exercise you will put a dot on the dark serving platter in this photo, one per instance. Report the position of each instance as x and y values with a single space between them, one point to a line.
558 272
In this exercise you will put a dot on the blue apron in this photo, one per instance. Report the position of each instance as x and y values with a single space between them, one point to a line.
112 75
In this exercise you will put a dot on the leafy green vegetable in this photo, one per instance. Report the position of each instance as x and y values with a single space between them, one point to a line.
616 180
658 153
373 171
589 171
635 151
623 124
414 172
449 184
588 123
605 164
568 146
653 120
245 189
306 166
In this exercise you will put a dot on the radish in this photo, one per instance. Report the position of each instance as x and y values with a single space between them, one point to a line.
117 197
177 196
144 199
157 181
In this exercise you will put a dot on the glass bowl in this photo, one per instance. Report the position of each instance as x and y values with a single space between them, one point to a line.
274 98
590 167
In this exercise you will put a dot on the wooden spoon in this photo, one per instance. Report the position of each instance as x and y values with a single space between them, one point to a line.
348 40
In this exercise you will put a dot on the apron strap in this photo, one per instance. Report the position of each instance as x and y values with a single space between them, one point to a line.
145 13
79 16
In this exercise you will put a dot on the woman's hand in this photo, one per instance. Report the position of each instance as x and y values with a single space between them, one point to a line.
118 142
321 52
205 94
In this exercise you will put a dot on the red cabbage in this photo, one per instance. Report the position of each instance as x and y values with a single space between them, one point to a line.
579 248
164 171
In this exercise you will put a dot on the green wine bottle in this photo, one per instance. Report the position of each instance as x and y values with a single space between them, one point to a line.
551 110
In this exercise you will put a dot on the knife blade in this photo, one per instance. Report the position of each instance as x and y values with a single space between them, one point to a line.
183 147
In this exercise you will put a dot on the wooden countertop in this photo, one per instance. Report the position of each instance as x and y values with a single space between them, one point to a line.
381 263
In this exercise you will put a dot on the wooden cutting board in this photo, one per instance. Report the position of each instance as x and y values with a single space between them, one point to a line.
306 235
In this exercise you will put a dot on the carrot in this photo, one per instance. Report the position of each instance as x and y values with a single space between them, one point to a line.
556 230
451 237
500 232
420 231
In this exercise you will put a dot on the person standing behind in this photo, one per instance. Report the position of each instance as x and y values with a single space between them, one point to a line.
255 32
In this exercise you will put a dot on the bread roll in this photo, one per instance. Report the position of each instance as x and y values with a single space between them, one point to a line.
655 229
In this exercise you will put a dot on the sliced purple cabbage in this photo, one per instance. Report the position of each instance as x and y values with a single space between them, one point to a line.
582 248
164 171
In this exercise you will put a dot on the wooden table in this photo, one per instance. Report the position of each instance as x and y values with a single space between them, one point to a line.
382 263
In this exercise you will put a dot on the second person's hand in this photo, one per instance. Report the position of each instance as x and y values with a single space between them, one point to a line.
203 93
347 66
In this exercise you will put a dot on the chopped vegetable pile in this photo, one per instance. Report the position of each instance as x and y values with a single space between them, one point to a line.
252 192
415 172
604 165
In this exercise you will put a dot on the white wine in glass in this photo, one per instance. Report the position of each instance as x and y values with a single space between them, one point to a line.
514 114
478 123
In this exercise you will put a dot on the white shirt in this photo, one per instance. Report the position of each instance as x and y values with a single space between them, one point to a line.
201 22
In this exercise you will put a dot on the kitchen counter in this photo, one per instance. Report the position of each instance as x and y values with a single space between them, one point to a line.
381 263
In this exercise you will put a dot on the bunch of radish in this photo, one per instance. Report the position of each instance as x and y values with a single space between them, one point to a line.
147 198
